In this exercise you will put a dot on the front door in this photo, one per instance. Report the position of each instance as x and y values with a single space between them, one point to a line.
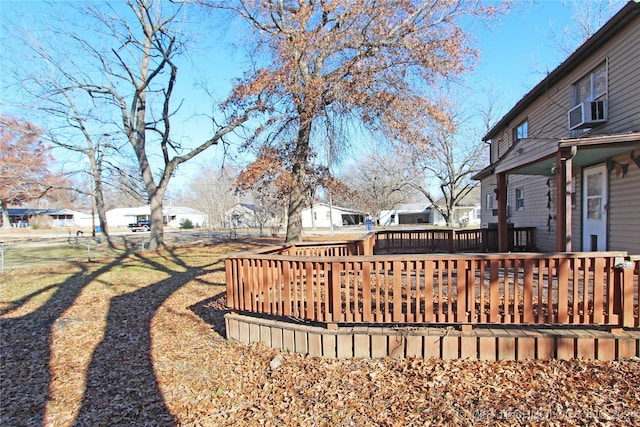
594 209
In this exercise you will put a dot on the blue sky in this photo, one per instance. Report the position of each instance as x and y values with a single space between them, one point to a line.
515 54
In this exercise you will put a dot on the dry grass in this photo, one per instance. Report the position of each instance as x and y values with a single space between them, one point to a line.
139 340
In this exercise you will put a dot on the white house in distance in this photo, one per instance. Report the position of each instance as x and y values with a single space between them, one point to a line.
321 215
173 216
21 217
466 213
246 215
406 213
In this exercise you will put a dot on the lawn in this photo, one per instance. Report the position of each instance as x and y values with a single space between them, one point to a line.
139 340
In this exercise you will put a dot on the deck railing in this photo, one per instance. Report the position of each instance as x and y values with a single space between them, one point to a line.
342 283
464 240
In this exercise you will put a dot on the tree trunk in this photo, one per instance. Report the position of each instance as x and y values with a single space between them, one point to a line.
299 171
100 207
156 240
5 215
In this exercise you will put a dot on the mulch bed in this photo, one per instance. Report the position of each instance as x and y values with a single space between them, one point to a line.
140 341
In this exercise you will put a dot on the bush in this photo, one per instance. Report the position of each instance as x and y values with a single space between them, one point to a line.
186 224
41 222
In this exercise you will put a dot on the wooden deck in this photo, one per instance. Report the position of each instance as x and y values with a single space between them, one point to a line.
522 303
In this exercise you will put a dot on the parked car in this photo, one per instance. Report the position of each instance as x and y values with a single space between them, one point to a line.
140 225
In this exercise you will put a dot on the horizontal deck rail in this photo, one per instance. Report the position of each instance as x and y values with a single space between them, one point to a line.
449 240
343 283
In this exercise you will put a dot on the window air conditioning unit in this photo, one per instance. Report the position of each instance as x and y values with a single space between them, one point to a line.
587 114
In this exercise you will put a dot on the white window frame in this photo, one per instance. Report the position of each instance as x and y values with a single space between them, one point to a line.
519 196
490 201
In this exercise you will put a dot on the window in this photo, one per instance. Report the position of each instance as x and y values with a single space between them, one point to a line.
490 144
490 201
521 131
592 86
519 199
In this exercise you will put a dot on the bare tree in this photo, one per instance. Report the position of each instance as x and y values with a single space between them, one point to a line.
123 60
213 192
370 62
379 182
449 156
587 16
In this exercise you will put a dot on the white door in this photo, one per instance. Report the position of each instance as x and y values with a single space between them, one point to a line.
594 209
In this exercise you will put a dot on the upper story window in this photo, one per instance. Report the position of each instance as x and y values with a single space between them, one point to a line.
591 87
521 131
490 145
589 101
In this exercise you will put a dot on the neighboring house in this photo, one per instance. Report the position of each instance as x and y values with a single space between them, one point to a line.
21 217
465 213
566 158
245 215
406 213
175 215
322 215
172 216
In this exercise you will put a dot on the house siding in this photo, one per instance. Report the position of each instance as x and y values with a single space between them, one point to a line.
624 207
624 77
487 186
535 213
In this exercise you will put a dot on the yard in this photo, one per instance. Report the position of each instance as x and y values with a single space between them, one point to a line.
139 340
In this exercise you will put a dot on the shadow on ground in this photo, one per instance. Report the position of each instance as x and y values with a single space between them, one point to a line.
212 311
26 351
121 386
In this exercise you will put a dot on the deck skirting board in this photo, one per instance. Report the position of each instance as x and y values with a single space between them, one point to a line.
445 342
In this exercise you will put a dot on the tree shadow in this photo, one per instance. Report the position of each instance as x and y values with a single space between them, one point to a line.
25 375
121 385
212 311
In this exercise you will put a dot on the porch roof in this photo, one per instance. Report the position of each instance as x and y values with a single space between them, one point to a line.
587 151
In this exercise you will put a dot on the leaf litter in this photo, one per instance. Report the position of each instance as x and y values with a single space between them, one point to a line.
168 363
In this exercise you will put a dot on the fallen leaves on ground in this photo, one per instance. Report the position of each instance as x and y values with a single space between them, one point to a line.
140 341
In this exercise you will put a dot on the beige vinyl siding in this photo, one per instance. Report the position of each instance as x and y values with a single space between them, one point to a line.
500 146
486 187
624 81
535 213
624 208
528 151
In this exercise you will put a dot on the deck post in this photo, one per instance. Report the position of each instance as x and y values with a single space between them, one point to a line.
503 232
563 201
625 296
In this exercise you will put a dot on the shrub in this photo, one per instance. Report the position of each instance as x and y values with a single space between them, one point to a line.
41 222
186 224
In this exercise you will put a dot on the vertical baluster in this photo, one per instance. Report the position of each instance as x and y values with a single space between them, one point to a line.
563 290
598 290
428 291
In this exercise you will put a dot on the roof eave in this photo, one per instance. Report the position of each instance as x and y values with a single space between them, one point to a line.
627 14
